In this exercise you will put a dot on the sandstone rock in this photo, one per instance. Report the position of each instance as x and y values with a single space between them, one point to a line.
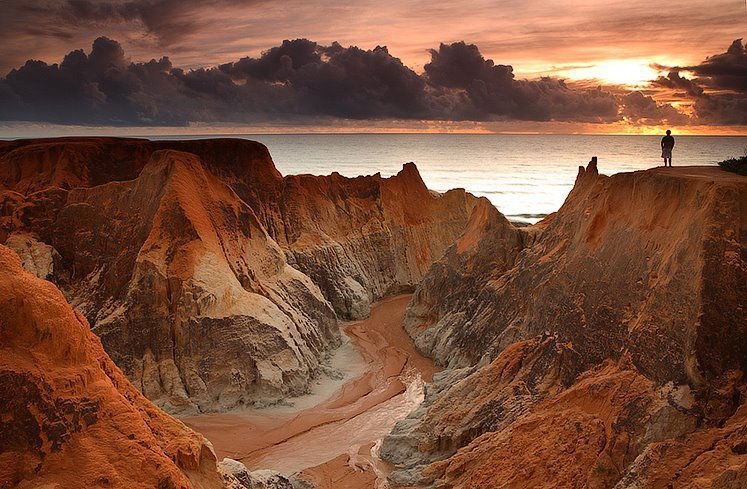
237 476
446 301
187 291
37 258
617 261
364 238
714 457
613 331
213 280
68 416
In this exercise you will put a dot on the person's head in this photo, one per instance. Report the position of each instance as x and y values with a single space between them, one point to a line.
669 133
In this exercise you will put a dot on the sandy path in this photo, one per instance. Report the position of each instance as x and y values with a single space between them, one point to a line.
337 433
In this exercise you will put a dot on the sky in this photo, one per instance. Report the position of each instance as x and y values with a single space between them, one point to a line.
466 65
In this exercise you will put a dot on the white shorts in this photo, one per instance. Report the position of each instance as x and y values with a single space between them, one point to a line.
666 152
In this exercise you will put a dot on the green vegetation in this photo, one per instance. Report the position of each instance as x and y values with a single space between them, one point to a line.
736 165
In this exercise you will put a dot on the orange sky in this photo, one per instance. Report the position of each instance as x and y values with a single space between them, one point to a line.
535 36
606 42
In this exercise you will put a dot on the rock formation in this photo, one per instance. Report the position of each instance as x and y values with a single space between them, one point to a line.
364 238
211 279
236 476
68 416
603 347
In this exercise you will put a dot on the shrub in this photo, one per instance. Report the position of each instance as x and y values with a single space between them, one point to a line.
736 165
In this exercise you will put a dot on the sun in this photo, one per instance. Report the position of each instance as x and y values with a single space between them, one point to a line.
630 72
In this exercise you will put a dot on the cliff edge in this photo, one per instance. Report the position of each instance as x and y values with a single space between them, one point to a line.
604 347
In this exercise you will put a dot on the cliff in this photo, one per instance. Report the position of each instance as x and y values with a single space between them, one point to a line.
603 347
212 280
68 416
365 238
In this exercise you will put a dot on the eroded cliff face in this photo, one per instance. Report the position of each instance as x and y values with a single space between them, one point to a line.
190 296
364 238
456 290
68 416
605 347
212 280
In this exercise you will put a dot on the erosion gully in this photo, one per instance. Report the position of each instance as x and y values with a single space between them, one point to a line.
331 436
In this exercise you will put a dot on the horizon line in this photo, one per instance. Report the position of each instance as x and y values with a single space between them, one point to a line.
359 133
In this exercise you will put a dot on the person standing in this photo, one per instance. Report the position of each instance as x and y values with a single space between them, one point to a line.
667 145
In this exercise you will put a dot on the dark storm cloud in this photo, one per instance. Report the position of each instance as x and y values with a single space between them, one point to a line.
278 63
362 84
726 109
493 89
639 108
303 79
718 88
341 82
103 88
675 81
725 71
458 64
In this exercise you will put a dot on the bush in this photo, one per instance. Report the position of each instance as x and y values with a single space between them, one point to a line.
736 165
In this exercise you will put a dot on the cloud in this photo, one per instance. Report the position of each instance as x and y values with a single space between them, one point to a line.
718 89
532 34
725 71
493 89
277 63
337 81
675 81
726 109
302 79
42 28
458 64
169 20
638 108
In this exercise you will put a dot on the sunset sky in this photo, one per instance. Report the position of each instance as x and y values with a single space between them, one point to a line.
608 65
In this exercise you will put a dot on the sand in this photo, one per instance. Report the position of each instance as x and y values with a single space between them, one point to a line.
332 439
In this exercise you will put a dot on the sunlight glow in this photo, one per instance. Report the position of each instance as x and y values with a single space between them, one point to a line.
631 72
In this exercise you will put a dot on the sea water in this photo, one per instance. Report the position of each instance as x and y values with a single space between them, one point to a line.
525 176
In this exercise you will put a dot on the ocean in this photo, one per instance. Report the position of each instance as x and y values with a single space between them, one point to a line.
525 176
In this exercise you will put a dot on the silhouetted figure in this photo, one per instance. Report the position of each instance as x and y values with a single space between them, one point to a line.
667 145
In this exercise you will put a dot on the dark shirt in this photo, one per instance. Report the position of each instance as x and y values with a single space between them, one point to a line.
667 142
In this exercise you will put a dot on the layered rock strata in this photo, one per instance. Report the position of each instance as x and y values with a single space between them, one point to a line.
211 279
68 416
605 347
365 238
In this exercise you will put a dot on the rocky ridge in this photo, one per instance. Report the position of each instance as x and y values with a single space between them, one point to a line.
212 280
69 418
68 414
604 347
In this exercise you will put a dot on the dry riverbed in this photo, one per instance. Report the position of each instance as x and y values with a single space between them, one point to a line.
329 437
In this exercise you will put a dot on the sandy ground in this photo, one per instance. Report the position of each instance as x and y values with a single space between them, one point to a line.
328 435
